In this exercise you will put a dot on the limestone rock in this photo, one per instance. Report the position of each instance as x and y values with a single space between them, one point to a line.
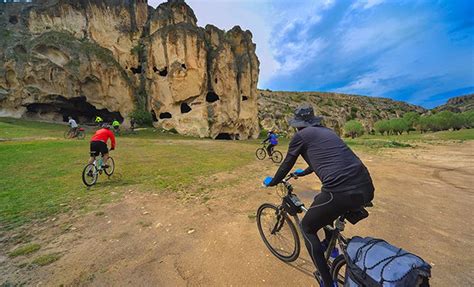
65 57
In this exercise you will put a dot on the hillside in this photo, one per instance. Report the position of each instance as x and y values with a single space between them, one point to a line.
458 104
275 107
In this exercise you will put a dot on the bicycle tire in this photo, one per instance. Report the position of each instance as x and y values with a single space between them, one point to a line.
67 134
110 170
336 266
85 175
261 153
81 135
277 156
296 250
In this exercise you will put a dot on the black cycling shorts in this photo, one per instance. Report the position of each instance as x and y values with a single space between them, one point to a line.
98 147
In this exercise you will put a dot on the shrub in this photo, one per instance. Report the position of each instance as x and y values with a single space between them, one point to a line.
382 127
142 117
353 128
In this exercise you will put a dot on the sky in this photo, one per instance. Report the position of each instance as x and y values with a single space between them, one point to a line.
421 52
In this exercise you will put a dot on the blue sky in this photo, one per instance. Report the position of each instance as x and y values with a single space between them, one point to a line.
416 51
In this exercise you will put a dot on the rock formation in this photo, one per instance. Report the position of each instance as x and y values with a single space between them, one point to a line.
109 58
275 108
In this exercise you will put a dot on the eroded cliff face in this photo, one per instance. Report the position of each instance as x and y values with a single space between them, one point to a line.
89 57
202 82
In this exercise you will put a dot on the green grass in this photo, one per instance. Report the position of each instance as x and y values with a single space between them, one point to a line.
24 250
46 259
41 178
464 134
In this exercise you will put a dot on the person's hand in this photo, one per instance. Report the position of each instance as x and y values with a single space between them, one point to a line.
297 172
267 181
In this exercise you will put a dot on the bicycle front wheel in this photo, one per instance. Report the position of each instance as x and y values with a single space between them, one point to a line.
67 134
278 232
261 153
338 270
89 175
111 167
277 156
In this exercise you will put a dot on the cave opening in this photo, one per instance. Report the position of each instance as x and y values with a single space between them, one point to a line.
215 80
153 116
165 115
137 70
163 72
224 136
244 98
185 108
183 66
13 20
60 108
155 69
211 97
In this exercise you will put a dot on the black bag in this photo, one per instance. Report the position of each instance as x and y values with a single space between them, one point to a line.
375 263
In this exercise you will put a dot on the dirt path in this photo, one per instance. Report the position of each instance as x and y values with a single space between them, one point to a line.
423 203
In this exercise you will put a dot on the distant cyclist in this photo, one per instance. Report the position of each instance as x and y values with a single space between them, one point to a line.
73 126
99 144
346 182
116 126
272 137
98 121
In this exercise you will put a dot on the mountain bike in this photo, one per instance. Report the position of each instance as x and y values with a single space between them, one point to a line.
80 133
261 153
281 237
91 171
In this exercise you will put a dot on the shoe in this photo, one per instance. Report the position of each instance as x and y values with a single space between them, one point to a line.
105 166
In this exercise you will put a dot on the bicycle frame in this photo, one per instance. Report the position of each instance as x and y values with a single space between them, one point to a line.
336 230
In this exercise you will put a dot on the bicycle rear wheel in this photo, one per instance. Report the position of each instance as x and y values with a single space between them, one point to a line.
277 156
110 170
90 175
81 135
261 153
278 232
338 270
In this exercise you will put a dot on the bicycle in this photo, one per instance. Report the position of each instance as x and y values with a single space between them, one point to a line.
261 153
290 248
91 171
80 133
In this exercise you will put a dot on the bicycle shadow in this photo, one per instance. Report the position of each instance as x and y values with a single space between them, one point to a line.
303 265
115 180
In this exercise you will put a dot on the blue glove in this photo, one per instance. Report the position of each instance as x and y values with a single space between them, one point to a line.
267 180
298 171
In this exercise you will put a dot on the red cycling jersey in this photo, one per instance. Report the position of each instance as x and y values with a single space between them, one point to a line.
103 135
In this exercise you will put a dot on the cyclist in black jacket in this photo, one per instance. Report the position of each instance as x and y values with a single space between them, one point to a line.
346 182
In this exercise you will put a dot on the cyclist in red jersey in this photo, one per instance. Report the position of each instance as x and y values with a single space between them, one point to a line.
99 144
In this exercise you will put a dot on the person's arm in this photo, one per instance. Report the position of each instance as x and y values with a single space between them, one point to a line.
267 139
294 150
112 139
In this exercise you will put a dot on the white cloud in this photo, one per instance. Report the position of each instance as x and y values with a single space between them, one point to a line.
366 4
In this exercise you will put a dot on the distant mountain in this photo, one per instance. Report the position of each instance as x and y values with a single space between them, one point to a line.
457 104
276 107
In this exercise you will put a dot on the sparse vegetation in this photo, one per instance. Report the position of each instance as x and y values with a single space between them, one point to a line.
25 250
353 129
46 259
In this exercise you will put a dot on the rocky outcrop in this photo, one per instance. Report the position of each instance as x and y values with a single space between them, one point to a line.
111 57
457 104
201 82
275 108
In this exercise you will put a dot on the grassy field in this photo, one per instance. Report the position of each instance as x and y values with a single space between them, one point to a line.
43 177
41 171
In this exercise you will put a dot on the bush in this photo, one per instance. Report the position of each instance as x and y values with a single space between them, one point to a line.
382 127
142 117
412 118
353 128
468 118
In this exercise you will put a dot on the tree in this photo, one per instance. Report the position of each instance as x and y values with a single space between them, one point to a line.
353 128
381 127
398 126
468 118
412 118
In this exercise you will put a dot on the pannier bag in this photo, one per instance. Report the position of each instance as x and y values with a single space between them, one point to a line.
374 262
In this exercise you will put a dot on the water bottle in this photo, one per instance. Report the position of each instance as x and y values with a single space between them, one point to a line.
334 252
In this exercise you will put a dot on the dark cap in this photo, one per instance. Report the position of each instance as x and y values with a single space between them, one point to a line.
304 117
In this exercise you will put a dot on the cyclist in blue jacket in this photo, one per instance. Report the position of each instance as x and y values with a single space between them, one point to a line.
272 137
